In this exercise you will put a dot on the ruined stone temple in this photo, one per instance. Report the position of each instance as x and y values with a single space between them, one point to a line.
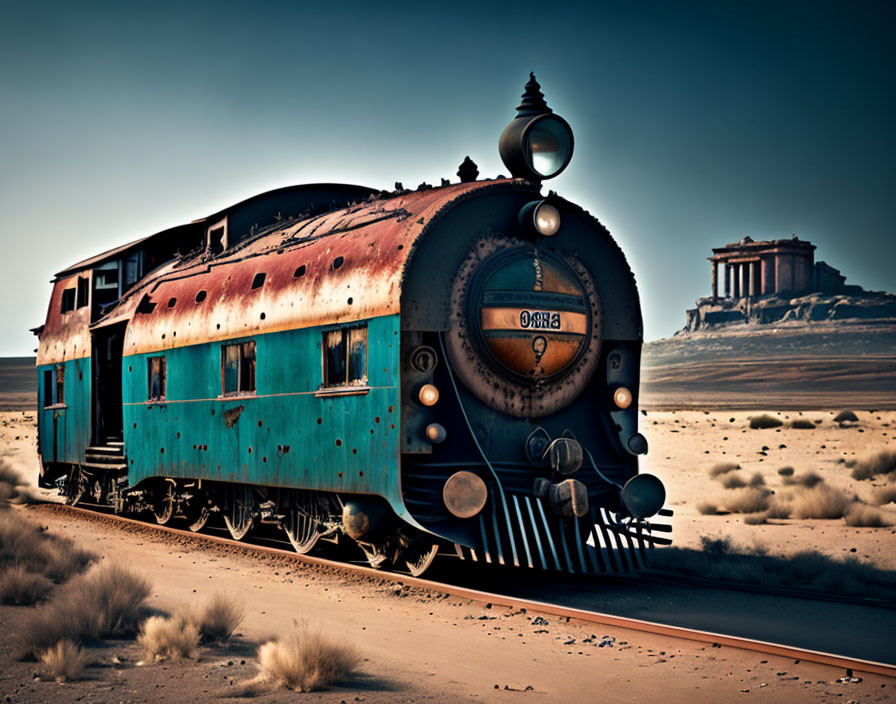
776 281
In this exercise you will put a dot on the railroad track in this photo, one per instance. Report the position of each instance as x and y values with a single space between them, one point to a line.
495 599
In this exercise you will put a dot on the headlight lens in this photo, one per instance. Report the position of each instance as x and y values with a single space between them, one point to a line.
435 433
429 395
622 397
549 146
547 219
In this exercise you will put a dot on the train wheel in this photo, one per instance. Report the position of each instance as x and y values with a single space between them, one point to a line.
163 504
197 513
302 530
376 556
75 486
240 512
419 559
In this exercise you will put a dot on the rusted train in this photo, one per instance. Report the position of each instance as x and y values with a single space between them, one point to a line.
451 369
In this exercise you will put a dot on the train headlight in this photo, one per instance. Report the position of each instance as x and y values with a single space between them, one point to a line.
622 397
537 144
464 494
547 219
428 395
435 433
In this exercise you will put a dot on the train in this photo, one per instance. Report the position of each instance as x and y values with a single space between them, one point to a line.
417 374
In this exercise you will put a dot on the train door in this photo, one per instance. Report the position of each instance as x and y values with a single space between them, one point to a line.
108 346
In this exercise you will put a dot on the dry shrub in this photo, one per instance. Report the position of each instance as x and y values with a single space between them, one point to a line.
756 519
173 638
807 479
732 481
721 559
21 587
786 471
24 543
846 417
747 500
305 660
13 489
219 618
882 462
109 600
779 508
65 661
821 501
863 516
705 508
723 468
885 495
765 421
802 424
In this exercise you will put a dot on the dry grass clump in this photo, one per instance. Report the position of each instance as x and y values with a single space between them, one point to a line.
786 471
765 421
780 507
722 468
720 558
821 501
705 508
885 495
173 638
882 462
756 519
109 600
219 618
747 500
28 545
846 417
807 479
13 489
802 424
21 587
863 516
65 661
305 660
732 481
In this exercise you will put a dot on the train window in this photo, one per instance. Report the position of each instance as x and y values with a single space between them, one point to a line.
299 272
258 281
48 387
83 290
157 374
60 385
345 357
68 301
238 368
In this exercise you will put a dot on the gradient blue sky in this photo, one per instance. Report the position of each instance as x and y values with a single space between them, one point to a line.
696 122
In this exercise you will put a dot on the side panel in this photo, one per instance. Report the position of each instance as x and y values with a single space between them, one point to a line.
285 434
66 438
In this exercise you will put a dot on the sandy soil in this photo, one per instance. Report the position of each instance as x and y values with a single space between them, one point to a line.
684 445
422 647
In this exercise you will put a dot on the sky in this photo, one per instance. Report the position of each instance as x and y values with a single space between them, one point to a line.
696 123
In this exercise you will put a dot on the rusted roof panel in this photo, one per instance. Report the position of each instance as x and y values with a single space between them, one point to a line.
64 335
341 266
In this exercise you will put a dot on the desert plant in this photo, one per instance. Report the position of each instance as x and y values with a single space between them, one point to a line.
109 600
765 421
846 417
172 638
707 509
747 500
13 488
305 660
802 424
65 661
779 508
863 516
732 481
821 501
722 468
219 618
21 587
24 543
873 465
885 495
756 519
807 479
786 471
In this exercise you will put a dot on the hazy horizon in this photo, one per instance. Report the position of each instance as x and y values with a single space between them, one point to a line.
695 124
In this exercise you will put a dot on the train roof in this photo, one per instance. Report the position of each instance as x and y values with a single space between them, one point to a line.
335 267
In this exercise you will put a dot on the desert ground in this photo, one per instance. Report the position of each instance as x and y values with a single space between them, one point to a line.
420 646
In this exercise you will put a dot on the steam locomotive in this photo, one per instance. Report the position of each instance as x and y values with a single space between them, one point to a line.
448 370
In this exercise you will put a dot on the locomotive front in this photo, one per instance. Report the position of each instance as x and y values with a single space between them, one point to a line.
521 336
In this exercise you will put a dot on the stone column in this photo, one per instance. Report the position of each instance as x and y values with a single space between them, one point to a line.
784 272
768 274
715 281
754 270
741 280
